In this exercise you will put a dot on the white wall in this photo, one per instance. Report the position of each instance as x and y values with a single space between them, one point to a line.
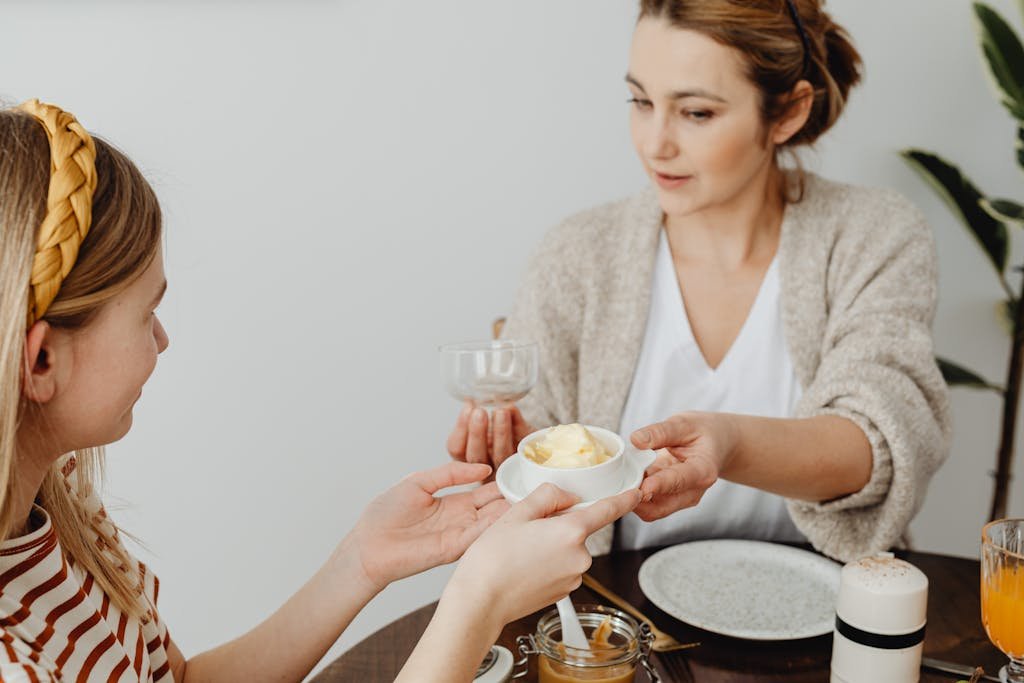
348 184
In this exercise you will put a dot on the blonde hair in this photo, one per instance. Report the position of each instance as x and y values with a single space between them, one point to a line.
123 240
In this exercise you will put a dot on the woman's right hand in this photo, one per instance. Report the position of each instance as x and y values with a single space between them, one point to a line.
476 438
532 556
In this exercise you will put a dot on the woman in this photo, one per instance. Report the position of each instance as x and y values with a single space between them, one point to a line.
769 329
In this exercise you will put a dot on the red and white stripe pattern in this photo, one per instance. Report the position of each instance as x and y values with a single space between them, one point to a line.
57 625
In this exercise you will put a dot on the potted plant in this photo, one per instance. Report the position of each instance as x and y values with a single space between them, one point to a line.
990 220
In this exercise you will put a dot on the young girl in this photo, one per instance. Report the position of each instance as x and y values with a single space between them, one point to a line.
81 273
774 325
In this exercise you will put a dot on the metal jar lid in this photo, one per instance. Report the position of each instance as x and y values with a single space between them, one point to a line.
496 667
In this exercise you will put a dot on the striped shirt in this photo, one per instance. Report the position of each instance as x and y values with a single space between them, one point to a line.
56 624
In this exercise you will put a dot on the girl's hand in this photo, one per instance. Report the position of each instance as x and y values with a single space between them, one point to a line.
408 529
529 558
477 439
694 450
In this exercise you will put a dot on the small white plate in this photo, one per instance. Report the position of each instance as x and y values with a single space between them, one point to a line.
510 482
746 589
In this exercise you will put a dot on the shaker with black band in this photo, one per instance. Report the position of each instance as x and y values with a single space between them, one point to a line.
880 621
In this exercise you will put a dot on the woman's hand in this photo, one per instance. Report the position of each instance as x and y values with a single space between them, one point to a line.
695 448
530 558
477 439
408 529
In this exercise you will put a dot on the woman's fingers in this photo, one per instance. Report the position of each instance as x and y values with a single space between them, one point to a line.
673 488
520 428
476 442
675 431
663 506
479 438
675 478
502 444
457 438
663 459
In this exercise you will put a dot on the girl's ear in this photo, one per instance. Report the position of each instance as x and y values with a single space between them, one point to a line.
39 373
800 101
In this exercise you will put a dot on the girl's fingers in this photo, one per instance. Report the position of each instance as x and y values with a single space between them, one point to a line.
607 510
486 516
546 500
485 494
450 474
493 510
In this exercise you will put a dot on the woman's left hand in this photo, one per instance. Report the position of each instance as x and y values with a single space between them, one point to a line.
407 529
694 449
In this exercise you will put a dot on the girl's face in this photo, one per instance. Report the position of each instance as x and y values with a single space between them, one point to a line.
105 364
695 120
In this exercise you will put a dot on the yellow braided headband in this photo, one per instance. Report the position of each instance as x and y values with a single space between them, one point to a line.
68 203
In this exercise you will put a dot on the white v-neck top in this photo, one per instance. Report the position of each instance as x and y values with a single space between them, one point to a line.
756 377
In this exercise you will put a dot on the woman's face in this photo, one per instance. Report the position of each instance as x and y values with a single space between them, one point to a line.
695 119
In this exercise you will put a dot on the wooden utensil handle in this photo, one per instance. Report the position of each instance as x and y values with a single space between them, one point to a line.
596 586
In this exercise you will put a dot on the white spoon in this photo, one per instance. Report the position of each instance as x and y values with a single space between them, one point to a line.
572 632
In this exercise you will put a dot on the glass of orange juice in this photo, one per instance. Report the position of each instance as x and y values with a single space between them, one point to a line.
1002 592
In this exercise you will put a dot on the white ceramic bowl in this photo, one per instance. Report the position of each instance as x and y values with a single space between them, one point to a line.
589 483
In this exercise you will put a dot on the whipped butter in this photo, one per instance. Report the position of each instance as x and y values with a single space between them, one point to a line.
567 447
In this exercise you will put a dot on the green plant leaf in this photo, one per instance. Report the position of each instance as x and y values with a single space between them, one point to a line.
1005 210
1020 143
965 199
1004 55
959 376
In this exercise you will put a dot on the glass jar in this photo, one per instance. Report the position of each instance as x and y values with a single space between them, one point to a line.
629 645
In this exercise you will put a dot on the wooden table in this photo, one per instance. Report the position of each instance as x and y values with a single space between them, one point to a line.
954 633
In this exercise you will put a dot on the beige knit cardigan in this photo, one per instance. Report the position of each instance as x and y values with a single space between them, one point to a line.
858 280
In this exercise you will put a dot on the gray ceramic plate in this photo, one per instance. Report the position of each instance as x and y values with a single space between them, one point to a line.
745 589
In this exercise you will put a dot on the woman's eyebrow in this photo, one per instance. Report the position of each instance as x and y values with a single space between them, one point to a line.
681 94
632 81
696 92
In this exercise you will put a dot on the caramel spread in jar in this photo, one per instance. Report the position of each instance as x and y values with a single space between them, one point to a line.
603 663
